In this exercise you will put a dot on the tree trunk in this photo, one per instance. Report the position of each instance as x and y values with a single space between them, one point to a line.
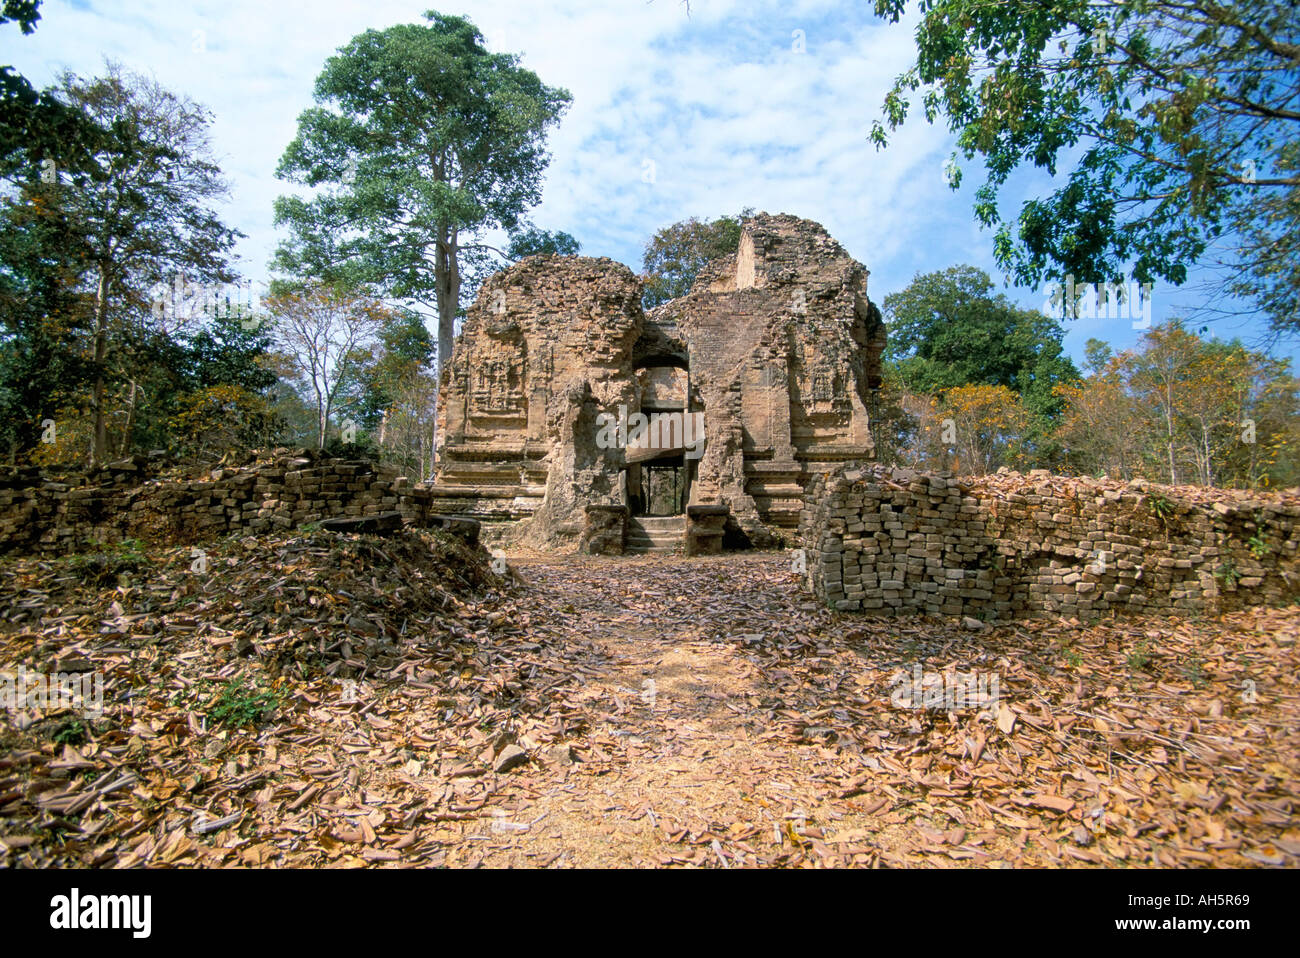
446 272
322 419
1169 428
99 443
130 419
1207 454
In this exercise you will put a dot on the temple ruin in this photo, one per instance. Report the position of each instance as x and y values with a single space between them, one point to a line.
583 421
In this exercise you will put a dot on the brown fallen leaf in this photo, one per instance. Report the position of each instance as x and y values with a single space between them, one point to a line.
1054 802
1006 720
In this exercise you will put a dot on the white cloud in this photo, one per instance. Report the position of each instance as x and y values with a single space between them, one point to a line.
729 115
728 112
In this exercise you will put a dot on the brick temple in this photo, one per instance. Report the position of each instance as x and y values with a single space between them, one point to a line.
773 357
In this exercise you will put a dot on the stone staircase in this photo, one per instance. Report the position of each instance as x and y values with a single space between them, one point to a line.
655 534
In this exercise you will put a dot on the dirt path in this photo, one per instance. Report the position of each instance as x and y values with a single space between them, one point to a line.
676 767
731 720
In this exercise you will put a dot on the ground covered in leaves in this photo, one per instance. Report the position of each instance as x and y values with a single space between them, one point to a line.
327 700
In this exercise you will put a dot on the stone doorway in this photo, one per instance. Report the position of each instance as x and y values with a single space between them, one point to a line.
661 488
659 477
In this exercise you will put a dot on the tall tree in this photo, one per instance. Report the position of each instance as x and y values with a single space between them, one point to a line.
426 141
147 211
1174 122
402 352
44 315
1101 429
229 350
1179 408
989 425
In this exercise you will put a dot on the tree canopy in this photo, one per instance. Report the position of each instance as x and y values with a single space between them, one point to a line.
1179 408
949 329
425 141
675 255
44 314
532 241
1173 123
37 127
147 212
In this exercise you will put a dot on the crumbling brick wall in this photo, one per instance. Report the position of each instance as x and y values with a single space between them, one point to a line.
785 350
547 346
892 541
44 516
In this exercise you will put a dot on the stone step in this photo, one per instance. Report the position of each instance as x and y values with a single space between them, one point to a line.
645 547
769 487
659 535
643 542
656 535
783 512
658 523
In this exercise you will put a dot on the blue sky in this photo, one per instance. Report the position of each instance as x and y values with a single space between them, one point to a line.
745 103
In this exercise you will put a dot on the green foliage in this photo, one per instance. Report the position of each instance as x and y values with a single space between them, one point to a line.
1140 657
1162 508
70 731
147 213
1257 545
676 254
105 566
1269 230
1097 356
363 446
24 12
37 128
1193 670
221 420
1169 126
240 704
228 351
44 316
958 351
1179 408
146 216
421 142
949 329
534 242
1227 573
377 377
190 697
